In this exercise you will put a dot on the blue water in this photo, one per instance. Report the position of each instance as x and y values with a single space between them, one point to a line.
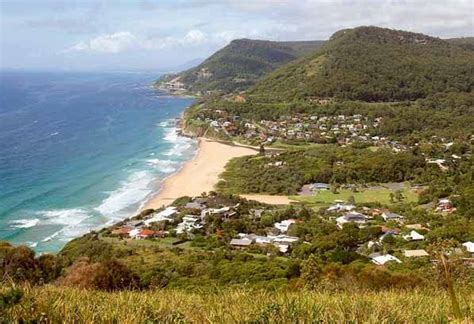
81 150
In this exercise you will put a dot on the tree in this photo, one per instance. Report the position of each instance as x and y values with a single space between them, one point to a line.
392 197
311 271
335 187
399 195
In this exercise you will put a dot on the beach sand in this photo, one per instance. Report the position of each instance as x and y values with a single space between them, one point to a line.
199 174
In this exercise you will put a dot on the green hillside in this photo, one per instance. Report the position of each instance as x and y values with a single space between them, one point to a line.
240 64
373 64
464 42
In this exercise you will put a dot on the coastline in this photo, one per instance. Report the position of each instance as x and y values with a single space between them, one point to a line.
198 174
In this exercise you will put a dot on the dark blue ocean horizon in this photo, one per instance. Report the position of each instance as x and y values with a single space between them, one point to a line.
80 150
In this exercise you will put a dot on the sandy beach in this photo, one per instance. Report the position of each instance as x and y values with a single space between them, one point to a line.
199 174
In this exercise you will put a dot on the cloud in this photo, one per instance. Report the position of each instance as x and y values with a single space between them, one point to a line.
127 41
108 43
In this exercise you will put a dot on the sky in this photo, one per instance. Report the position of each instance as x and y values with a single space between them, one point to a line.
162 35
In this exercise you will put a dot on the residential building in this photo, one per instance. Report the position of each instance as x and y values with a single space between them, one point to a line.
415 253
352 217
382 259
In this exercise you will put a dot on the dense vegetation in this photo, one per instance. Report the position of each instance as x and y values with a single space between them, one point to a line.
322 164
241 63
373 64
464 42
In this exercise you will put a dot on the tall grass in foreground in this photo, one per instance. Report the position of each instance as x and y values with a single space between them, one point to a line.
53 304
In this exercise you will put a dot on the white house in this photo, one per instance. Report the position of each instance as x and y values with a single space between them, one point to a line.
351 217
469 246
240 242
166 214
134 233
284 225
286 239
382 259
341 207
415 253
414 236
189 223
389 216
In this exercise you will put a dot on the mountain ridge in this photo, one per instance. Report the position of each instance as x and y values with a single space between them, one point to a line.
373 64
237 66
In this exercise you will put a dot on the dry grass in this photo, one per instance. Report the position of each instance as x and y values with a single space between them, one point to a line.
53 304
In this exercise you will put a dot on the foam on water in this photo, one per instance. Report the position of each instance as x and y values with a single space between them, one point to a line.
132 191
24 223
72 222
164 166
70 217
181 144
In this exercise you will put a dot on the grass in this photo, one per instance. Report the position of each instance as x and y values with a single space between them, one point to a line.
68 305
369 195
289 147
166 242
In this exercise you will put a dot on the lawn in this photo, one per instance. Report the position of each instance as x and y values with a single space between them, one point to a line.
290 147
369 195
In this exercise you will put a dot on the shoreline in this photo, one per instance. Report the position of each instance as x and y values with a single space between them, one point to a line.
199 174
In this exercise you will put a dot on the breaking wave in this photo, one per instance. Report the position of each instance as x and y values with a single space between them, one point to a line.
24 223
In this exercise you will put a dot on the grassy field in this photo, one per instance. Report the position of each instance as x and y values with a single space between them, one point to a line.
166 242
68 305
369 195
289 147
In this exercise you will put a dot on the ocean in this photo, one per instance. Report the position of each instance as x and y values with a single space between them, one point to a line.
79 151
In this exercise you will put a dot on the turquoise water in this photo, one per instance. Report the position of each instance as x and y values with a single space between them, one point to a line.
81 150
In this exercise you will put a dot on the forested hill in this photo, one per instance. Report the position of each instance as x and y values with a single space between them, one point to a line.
373 64
240 64
464 42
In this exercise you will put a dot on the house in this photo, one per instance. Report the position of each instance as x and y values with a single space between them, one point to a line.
122 231
256 212
134 233
189 223
134 223
445 205
351 217
392 231
341 207
382 259
414 236
415 253
258 239
389 216
145 233
195 205
469 247
283 248
284 225
240 243
285 239
319 186
164 215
